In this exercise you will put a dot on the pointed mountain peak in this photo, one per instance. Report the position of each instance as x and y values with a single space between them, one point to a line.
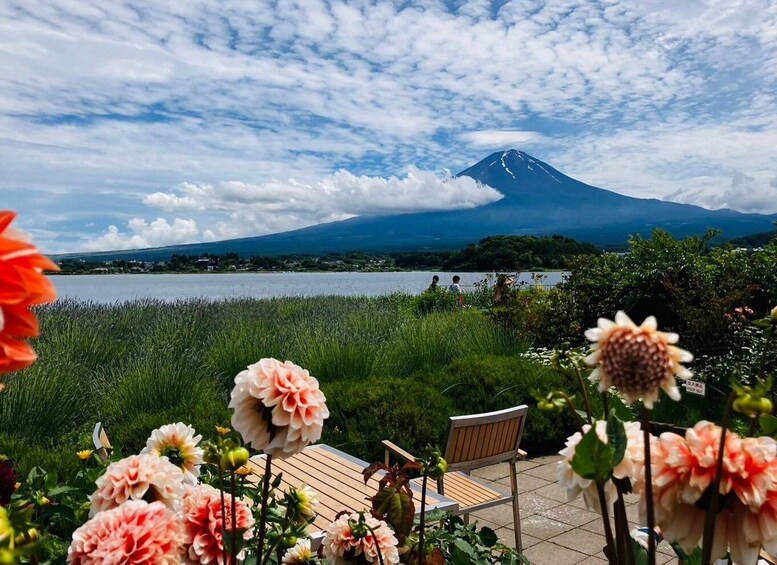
513 171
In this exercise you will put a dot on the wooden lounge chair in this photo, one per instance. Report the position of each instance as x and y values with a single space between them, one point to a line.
102 444
476 441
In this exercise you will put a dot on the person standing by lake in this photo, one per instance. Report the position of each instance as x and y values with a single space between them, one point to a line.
455 288
435 283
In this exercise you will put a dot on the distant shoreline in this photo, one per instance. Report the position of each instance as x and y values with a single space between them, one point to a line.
321 272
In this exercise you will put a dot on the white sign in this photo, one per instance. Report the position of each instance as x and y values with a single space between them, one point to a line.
695 387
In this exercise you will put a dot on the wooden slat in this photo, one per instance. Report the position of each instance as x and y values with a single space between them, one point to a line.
466 491
337 480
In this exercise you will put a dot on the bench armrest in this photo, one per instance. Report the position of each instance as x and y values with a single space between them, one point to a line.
397 451
522 454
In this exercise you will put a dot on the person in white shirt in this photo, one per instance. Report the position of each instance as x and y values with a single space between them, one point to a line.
457 289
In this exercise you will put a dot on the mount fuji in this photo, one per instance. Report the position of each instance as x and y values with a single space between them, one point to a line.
538 200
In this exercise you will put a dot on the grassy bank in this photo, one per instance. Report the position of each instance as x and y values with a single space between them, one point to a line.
387 372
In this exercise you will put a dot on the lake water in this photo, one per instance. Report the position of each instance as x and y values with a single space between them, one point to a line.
217 286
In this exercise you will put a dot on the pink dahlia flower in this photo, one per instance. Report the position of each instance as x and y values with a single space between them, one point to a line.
202 517
138 477
341 545
135 532
278 407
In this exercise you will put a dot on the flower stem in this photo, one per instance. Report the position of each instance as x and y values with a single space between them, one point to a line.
263 515
586 399
651 514
712 511
612 548
578 419
421 524
377 545
606 403
275 546
622 528
234 518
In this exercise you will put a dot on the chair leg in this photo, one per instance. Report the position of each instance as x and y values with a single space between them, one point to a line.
466 519
516 508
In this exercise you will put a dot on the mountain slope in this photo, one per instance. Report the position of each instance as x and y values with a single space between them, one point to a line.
539 200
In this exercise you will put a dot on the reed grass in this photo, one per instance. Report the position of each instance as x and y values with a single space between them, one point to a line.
137 365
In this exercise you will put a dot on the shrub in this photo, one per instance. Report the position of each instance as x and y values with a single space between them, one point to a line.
409 413
435 300
488 383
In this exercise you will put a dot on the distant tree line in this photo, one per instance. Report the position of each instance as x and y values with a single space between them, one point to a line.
497 253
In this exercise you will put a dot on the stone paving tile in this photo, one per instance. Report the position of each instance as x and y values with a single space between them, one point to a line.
582 541
545 459
531 503
539 526
526 483
592 561
526 464
493 473
555 532
507 537
547 472
570 515
500 515
547 553
552 491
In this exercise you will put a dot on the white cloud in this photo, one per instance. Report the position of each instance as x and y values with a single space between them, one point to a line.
141 234
239 209
128 98
497 139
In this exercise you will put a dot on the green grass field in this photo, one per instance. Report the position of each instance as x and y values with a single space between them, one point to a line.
387 372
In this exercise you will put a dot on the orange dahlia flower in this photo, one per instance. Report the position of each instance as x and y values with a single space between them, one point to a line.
22 284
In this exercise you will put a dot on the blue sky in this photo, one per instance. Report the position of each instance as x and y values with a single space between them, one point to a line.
154 122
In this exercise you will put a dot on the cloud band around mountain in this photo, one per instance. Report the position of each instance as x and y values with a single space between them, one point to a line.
239 209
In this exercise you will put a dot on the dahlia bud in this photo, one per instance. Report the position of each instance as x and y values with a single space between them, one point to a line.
26 538
302 504
752 406
235 458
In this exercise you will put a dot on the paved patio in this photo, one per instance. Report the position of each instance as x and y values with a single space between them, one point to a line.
555 532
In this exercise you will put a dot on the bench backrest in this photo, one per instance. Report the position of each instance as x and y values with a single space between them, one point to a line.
478 440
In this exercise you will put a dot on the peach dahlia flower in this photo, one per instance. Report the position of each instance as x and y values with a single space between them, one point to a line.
341 546
636 360
178 443
22 284
202 517
138 477
278 407
135 532
683 475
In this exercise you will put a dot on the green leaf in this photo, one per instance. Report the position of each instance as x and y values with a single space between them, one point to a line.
397 507
640 553
234 539
693 559
488 536
768 424
616 437
593 458
621 410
